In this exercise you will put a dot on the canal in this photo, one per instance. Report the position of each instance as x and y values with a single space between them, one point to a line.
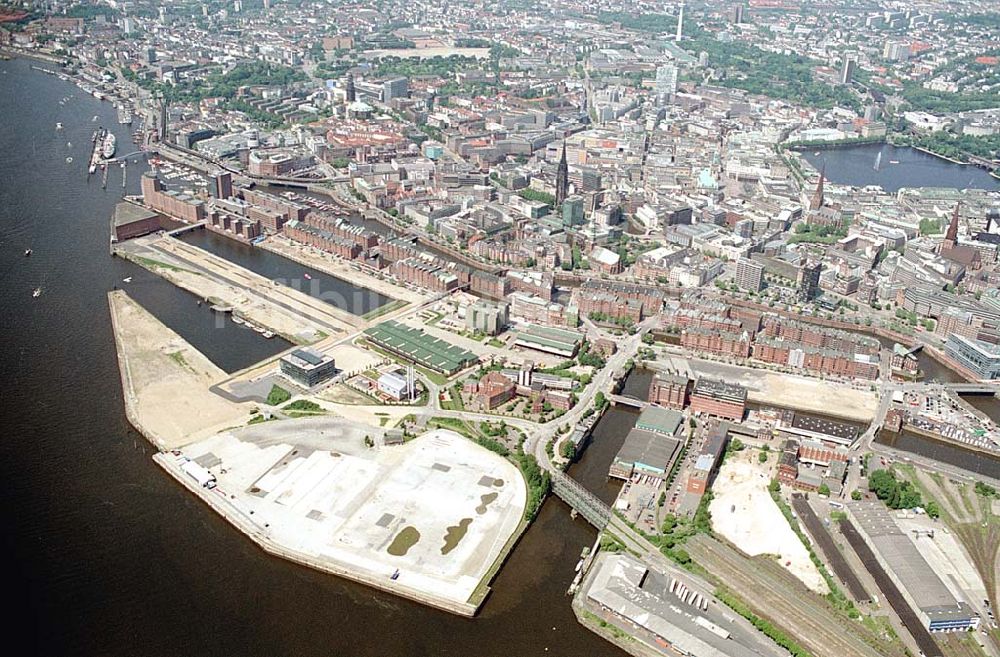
331 289
898 168
607 438
949 453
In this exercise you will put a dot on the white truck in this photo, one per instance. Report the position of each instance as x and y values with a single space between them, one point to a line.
201 475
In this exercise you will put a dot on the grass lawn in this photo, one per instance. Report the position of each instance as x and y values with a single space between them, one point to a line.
278 396
392 306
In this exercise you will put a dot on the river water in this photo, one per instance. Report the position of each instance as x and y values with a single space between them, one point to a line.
855 165
104 554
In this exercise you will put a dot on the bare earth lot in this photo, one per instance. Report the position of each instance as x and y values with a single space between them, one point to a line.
743 512
166 381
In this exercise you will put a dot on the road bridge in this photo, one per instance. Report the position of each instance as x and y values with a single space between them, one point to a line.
186 229
580 499
625 400
972 388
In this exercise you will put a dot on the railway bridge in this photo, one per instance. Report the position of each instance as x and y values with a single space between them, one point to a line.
581 500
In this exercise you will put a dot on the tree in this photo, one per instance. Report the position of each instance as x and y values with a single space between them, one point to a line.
824 490
856 495
762 457
774 486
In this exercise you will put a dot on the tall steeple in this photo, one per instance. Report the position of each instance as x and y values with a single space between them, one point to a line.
951 237
680 22
817 200
562 177
349 88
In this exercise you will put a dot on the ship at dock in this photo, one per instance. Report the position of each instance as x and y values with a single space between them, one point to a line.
108 147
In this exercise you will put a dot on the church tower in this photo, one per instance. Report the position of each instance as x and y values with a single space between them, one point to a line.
562 178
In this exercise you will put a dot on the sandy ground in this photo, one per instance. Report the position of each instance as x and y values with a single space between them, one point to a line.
819 396
166 380
314 488
335 266
757 526
372 415
257 310
351 359
799 392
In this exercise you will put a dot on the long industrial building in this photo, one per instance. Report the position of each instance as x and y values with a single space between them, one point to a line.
935 606
416 346
667 614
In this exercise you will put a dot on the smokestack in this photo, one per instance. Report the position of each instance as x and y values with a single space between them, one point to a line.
680 22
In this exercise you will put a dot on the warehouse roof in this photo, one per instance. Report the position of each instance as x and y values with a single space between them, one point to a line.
648 451
627 588
559 341
659 420
419 347
904 560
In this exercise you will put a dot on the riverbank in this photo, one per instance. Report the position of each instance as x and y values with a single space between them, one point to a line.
29 54
938 155
166 381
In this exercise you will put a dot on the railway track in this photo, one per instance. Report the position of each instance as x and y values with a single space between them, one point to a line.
774 594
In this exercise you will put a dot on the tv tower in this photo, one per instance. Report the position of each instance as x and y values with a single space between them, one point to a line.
680 22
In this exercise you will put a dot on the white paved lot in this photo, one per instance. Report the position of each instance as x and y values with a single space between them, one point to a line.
315 488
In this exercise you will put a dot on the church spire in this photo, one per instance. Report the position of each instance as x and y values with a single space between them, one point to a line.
818 199
951 237
562 177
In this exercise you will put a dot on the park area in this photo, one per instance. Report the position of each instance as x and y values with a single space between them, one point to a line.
744 513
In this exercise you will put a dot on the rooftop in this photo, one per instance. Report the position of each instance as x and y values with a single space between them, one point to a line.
420 347
659 420
648 450
903 559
